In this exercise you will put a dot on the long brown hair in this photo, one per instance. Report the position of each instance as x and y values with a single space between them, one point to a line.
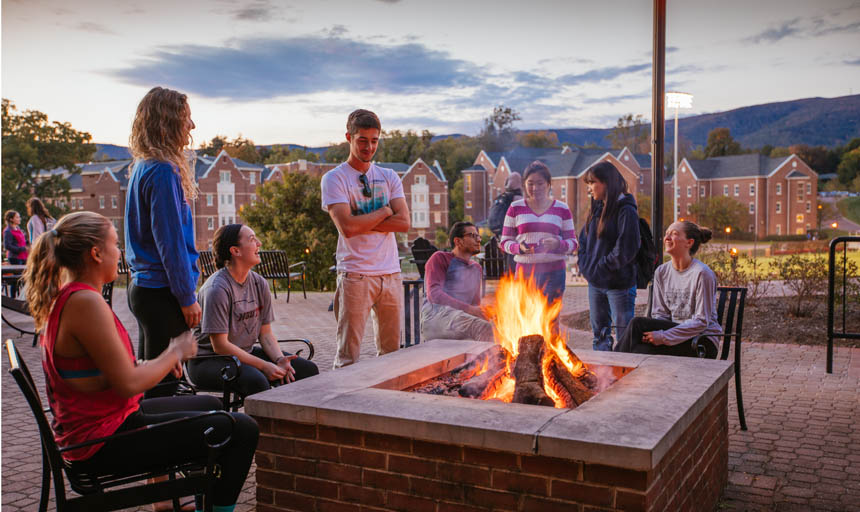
36 207
158 133
58 249
606 173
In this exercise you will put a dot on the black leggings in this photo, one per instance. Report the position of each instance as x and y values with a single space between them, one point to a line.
183 442
631 339
159 318
206 372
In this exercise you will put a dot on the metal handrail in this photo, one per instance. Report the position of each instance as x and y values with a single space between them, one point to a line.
831 285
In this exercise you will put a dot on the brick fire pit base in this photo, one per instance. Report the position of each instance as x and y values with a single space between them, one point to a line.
656 440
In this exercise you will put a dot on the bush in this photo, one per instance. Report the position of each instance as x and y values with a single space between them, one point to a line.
805 276
736 275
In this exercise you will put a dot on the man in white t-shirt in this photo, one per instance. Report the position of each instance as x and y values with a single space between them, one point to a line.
367 205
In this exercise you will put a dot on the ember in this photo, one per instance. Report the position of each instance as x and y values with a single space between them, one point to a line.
531 364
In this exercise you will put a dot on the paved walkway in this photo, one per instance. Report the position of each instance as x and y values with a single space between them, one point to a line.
802 450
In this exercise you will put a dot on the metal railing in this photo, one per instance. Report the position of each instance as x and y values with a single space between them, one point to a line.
831 295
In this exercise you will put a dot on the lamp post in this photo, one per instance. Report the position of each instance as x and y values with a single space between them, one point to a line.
677 100
728 231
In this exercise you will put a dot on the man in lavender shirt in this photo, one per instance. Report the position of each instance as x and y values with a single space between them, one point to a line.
453 283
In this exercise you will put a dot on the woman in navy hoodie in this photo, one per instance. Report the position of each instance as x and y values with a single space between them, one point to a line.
159 234
608 245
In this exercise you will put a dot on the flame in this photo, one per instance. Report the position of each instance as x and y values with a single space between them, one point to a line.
522 309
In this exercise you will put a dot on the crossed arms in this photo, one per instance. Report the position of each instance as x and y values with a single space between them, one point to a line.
388 219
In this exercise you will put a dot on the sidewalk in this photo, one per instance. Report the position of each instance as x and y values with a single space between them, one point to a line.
802 450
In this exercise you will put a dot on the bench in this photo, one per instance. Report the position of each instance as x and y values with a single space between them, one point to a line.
275 265
206 264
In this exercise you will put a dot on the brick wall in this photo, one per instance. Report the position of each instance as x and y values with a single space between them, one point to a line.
308 467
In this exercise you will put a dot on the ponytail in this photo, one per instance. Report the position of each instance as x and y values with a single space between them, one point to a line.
698 235
57 250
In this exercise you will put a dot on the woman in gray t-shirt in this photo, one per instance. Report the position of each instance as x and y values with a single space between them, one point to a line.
684 303
237 312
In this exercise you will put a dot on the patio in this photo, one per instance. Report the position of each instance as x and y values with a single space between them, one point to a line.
801 452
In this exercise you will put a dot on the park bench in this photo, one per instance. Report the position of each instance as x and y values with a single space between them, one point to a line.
275 265
114 490
206 264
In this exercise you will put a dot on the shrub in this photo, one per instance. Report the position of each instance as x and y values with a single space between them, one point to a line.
806 277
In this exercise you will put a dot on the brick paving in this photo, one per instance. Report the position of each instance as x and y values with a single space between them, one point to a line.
801 452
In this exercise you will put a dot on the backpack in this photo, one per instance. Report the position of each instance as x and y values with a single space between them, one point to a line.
646 257
496 219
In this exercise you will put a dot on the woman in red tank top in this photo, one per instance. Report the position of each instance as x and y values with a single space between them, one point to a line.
94 385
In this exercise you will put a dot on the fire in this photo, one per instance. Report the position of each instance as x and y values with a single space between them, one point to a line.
521 309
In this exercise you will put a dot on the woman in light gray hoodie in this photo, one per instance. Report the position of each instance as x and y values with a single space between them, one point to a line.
684 300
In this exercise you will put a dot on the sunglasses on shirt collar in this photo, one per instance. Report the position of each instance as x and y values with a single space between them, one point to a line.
365 185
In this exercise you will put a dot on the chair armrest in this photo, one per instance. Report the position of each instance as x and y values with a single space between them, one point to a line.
300 263
310 346
146 428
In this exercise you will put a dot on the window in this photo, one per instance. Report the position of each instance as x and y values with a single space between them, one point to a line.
113 202
253 198
702 191
115 223
737 190
779 189
223 199
102 202
678 210
752 207
688 208
778 229
229 198
808 207
469 204
752 189
750 228
689 191
725 190
468 187
437 217
800 193
80 204
799 217
809 188
563 191
210 223
209 199
223 221
225 176
778 207
437 198
420 178
253 177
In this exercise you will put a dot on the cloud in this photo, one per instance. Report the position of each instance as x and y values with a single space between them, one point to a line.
774 34
828 28
336 31
257 11
616 99
96 28
258 69
602 74
852 62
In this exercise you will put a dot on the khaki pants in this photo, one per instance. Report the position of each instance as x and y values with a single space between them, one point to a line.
444 322
356 296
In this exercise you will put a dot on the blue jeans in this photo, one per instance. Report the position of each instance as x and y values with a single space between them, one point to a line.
552 282
607 308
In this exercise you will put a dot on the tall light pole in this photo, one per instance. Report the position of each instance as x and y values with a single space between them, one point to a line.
677 100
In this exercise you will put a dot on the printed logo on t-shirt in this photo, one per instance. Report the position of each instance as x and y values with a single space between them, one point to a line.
243 314
361 204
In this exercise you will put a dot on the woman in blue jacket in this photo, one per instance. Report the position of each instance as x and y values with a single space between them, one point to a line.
159 234
608 244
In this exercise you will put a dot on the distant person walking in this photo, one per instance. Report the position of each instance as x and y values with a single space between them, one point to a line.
15 243
159 233
40 219
367 205
609 242
539 232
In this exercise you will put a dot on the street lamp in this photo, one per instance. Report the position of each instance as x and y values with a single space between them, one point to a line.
834 225
728 231
677 100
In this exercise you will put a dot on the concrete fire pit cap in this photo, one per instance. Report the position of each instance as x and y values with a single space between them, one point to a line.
631 424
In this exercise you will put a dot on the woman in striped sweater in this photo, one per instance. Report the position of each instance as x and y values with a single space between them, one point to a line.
539 232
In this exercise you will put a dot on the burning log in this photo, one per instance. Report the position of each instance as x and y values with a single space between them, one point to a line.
527 372
484 384
574 390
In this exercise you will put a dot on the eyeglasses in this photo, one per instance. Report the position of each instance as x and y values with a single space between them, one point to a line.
476 236
365 186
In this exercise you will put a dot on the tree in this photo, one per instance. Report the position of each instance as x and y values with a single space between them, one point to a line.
456 203
539 139
396 146
337 153
717 212
849 167
629 132
30 144
213 147
243 149
643 204
288 216
827 212
498 131
779 152
283 154
721 143
453 154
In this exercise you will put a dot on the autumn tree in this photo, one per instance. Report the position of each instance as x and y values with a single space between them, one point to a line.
498 131
337 153
538 139
453 154
629 132
721 143
283 154
404 147
31 144
288 216
214 146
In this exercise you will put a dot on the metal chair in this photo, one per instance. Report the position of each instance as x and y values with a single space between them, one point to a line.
412 312
276 265
421 249
114 491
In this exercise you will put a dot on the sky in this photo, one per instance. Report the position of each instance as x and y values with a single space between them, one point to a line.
291 71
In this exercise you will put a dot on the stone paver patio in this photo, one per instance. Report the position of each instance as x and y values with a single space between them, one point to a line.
801 452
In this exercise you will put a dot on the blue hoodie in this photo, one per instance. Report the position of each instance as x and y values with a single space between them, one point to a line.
159 232
608 261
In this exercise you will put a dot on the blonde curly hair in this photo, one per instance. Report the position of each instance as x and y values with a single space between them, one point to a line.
158 132
57 250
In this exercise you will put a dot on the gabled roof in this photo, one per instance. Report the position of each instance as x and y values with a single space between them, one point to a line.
644 161
796 174
398 167
75 182
247 165
437 170
475 168
735 166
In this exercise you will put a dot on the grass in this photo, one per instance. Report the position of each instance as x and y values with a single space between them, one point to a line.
850 208
763 263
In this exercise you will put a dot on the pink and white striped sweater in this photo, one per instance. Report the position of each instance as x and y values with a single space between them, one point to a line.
522 224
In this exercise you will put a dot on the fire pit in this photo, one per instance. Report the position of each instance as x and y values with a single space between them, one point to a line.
655 439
